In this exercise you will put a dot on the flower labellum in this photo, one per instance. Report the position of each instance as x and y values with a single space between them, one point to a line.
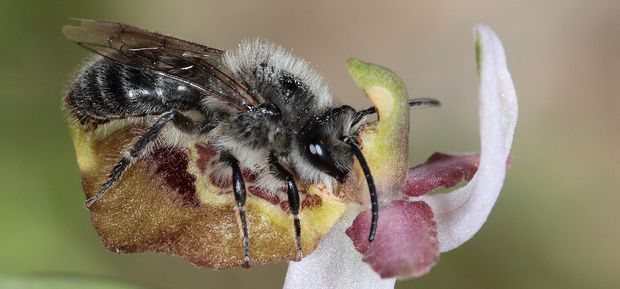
167 202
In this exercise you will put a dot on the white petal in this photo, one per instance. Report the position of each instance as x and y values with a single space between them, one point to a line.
461 213
335 264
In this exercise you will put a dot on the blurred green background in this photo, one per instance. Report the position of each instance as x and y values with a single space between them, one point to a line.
556 224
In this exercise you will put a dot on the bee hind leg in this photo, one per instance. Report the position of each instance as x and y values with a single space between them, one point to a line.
181 121
293 198
240 197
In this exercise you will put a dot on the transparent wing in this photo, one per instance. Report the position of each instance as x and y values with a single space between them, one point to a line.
194 64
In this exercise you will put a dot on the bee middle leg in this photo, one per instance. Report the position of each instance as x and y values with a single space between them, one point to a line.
240 197
179 120
293 198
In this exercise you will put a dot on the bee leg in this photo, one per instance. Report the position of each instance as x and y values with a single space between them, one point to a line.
240 196
135 151
293 198
205 127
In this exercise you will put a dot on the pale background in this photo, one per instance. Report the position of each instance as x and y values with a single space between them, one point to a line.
554 226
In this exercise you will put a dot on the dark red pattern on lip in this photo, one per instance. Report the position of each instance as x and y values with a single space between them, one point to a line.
311 201
248 175
172 168
220 182
264 194
206 152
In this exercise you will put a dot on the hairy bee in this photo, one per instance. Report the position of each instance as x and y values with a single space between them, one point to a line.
261 108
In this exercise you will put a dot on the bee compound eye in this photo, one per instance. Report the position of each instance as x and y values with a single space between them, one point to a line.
319 155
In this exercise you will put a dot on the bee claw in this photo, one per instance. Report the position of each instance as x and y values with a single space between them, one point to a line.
246 263
90 201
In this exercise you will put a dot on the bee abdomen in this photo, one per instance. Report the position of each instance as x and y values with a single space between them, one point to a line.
107 90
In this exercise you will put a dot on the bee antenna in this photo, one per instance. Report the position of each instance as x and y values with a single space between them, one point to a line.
412 103
374 204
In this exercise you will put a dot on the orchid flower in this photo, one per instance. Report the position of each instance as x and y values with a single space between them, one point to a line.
169 201
413 227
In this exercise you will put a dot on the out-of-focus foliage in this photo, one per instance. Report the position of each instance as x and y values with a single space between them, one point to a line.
60 282
554 226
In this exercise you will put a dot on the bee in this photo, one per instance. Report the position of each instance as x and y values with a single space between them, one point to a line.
260 107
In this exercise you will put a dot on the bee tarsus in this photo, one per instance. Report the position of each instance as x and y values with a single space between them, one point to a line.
293 198
240 197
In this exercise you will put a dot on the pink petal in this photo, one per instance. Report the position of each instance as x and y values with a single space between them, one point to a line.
461 213
440 170
406 243
334 264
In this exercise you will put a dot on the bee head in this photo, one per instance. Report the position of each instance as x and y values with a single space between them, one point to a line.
322 141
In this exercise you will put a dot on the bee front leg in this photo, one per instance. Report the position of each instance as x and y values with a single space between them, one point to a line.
240 196
293 198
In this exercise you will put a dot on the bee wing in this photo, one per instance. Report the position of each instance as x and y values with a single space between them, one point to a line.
194 64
